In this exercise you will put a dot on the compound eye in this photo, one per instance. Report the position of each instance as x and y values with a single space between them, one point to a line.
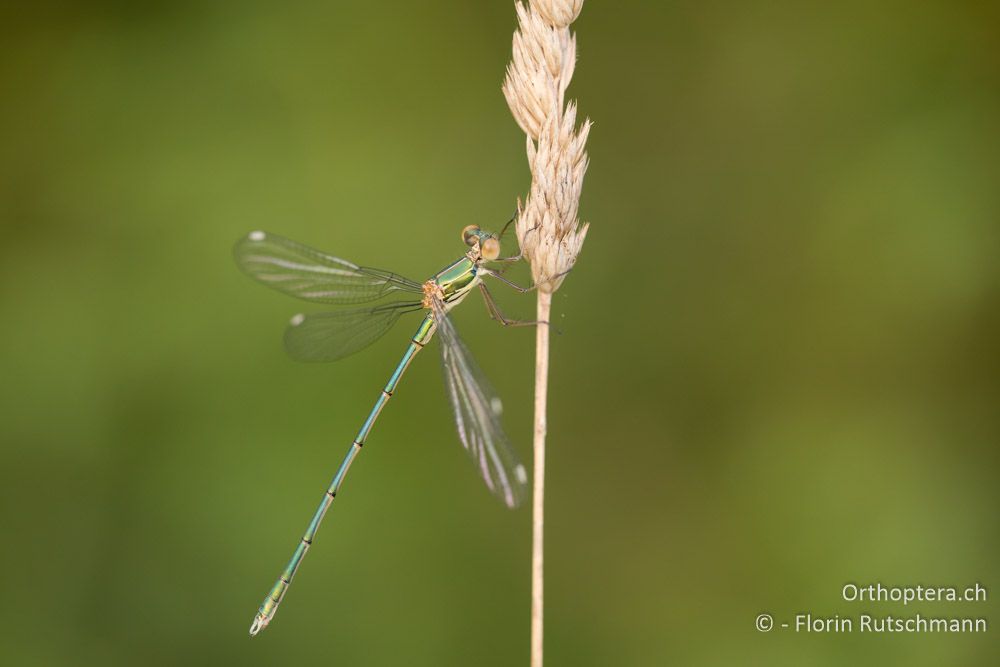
490 249
469 234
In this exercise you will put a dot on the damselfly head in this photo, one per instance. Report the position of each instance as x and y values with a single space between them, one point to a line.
489 246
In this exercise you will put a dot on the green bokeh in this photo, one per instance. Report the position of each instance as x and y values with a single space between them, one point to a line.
777 369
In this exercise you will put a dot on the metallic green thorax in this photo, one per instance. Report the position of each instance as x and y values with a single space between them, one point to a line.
455 282
458 278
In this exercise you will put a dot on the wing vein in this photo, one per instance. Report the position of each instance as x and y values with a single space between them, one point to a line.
308 274
479 430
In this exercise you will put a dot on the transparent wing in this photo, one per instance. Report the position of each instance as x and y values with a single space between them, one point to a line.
335 335
477 415
309 274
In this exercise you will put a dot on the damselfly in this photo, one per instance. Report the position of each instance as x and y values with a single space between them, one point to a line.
315 276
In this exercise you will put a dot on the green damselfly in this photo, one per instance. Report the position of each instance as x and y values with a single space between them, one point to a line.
308 274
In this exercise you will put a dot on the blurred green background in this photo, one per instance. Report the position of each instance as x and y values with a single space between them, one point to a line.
777 373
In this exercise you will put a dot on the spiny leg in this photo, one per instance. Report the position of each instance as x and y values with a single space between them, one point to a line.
506 263
494 311
522 290
504 230
513 218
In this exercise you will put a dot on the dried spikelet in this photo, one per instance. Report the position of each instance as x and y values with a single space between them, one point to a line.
558 12
548 226
539 72
544 56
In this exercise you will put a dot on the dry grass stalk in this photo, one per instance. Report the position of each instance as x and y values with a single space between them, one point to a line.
548 228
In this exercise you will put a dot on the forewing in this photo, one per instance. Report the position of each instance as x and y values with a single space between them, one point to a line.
335 335
309 274
477 411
